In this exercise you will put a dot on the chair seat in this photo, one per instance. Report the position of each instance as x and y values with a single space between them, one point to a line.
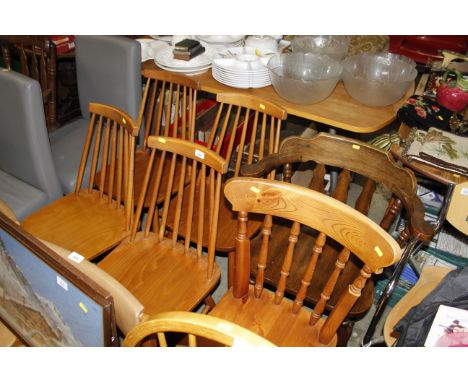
86 224
22 198
161 277
67 146
326 263
227 222
276 323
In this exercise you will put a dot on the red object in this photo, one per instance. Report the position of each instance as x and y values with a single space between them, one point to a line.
423 48
453 94
64 44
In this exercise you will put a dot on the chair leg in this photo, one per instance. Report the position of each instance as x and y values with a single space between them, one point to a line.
209 304
231 267
344 333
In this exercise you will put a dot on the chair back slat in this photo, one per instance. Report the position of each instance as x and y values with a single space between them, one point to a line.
363 202
262 258
286 267
309 272
113 156
343 306
94 160
105 158
167 197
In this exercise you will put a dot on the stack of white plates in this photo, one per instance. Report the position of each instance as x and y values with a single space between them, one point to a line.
241 67
222 41
164 58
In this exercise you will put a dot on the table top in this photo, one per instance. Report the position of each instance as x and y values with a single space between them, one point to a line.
339 110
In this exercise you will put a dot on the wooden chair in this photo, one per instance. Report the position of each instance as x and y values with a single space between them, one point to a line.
168 109
270 314
245 129
193 325
164 272
89 221
37 59
351 156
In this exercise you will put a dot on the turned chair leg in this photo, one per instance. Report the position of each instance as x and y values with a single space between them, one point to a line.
231 267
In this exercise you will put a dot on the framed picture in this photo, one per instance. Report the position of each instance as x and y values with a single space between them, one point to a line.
44 300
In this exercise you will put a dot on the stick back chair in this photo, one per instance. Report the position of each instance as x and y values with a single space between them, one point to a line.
195 326
353 157
38 60
245 129
168 109
88 221
163 271
280 320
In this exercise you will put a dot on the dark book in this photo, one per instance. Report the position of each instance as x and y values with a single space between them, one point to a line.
186 56
189 52
186 44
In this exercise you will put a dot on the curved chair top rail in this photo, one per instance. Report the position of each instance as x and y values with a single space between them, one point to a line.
356 156
115 114
210 327
375 247
189 149
254 103
172 77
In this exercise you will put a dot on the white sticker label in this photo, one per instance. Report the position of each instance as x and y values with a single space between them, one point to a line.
464 191
200 154
62 283
76 257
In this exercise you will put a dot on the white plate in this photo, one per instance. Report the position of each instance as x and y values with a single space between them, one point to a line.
221 39
149 47
165 57
184 70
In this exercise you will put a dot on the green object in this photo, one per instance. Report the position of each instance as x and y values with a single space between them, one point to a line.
385 141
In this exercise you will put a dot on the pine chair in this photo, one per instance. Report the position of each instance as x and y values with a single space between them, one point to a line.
353 157
245 129
88 221
192 325
164 272
168 109
270 314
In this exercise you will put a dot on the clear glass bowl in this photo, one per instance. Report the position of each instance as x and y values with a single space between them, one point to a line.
379 79
334 46
304 78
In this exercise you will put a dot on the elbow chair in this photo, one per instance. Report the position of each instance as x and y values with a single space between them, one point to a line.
271 314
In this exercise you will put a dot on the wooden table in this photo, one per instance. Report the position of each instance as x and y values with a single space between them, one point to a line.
339 110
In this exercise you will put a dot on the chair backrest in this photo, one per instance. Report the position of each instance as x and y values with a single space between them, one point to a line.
38 60
194 325
24 145
168 107
110 146
205 169
357 233
246 124
108 72
354 156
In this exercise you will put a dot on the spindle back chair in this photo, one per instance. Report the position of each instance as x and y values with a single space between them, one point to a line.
270 314
353 157
245 129
161 269
196 327
38 60
168 109
89 221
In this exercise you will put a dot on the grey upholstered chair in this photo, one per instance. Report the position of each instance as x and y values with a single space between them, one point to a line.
108 71
28 179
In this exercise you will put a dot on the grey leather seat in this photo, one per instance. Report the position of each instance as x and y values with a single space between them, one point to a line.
28 179
108 71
